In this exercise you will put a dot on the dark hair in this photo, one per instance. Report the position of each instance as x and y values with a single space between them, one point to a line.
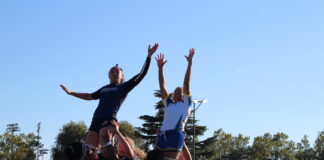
118 68
75 151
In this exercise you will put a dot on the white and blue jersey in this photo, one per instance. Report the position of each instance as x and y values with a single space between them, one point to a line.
172 135
176 114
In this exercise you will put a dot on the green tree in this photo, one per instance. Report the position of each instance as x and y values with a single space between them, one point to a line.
304 151
129 131
261 148
70 132
224 146
199 130
283 149
276 147
18 147
319 146
153 123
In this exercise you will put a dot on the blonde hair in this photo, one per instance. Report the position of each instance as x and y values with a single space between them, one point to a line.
138 152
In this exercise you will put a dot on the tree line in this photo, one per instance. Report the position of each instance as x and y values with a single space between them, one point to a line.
220 146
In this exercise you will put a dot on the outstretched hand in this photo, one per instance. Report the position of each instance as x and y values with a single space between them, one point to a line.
152 50
66 90
190 56
160 60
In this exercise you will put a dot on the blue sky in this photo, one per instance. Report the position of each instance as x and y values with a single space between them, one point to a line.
259 63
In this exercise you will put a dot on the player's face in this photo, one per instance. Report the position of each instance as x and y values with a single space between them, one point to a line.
115 75
177 94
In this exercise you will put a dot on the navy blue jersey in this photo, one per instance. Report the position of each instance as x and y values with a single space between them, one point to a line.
111 96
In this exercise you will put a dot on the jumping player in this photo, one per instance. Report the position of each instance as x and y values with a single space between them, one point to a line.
176 112
110 97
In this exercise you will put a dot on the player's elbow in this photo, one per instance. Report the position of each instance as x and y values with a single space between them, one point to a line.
89 97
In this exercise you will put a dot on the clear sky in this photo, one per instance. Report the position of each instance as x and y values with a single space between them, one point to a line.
259 63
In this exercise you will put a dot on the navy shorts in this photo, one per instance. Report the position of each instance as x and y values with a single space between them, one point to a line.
170 141
97 124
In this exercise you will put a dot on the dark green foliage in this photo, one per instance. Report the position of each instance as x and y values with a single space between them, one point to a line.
19 147
70 132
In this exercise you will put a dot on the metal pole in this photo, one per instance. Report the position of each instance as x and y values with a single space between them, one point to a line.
194 124
37 149
194 132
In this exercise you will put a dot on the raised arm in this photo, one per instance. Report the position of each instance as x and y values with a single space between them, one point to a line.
85 96
107 149
160 62
130 84
127 147
186 82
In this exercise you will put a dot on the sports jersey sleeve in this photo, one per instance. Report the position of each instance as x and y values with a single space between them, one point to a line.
187 99
96 94
130 84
